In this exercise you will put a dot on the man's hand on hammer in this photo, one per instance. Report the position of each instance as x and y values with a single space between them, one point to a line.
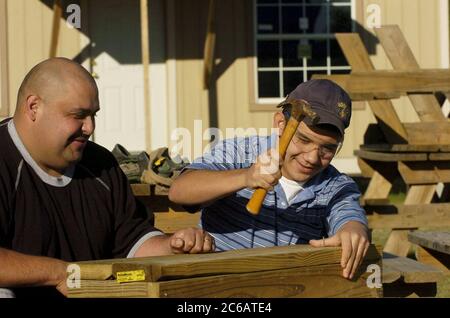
265 172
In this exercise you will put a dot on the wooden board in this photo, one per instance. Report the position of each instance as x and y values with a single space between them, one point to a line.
401 57
238 261
400 148
378 189
428 172
438 241
408 216
171 222
387 84
433 258
390 157
315 281
411 271
427 133
383 110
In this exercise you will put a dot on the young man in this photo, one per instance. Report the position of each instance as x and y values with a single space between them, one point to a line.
63 198
308 201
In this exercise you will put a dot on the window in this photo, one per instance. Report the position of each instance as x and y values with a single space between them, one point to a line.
294 39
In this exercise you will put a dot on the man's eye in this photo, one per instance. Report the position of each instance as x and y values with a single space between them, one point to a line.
330 148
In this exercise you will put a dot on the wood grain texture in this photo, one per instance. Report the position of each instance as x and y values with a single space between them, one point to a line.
388 84
402 58
408 216
427 172
390 157
411 270
433 258
238 261
316 281
438 241
385 114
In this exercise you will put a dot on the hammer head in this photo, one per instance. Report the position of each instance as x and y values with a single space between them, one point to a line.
300 109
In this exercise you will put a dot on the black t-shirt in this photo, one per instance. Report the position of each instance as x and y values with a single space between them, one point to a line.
88 214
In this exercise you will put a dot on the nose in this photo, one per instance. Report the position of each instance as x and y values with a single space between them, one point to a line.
312 157
88 125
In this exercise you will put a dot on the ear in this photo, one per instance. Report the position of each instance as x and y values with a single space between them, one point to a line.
32 104
279 122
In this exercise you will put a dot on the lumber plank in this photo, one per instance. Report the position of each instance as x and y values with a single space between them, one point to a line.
316 281
378 189
400 148
402 58
426 133
238 261
420 194
438 241
439 156
388 84
397 243
411 270
428 172
389 156
171 221
433 258
408 216
383 110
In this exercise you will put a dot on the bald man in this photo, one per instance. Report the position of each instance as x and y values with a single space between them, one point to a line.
62 197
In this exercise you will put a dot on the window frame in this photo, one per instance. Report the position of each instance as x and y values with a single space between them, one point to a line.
266 104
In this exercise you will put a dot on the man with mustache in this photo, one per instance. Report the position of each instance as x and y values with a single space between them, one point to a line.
63 198
308 201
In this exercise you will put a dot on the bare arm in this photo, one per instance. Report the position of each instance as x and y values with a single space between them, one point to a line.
203 186
20 270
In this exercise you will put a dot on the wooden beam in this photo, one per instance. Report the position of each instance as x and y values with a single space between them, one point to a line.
426 133
210 43
145 52
408 216
433 258
389 84
390 157
231 262
57 14
427 172
383 110
400 148
412 271
402 58
316 281
378 189
438 241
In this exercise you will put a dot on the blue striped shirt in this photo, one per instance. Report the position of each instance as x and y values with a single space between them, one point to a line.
329 200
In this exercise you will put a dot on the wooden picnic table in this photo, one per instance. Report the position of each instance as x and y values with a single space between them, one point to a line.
433 248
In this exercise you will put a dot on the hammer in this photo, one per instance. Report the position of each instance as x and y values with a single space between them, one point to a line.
300 109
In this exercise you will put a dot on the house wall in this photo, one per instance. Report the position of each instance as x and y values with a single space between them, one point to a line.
420 21
228 104
29 25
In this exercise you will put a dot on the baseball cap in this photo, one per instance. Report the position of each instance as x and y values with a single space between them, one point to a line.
331 103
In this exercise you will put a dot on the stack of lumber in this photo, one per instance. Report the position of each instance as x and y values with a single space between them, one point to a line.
290 271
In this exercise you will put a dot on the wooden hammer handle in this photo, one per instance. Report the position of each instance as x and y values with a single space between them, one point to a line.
255 203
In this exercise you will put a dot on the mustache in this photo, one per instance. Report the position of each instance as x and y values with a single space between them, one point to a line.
78 137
